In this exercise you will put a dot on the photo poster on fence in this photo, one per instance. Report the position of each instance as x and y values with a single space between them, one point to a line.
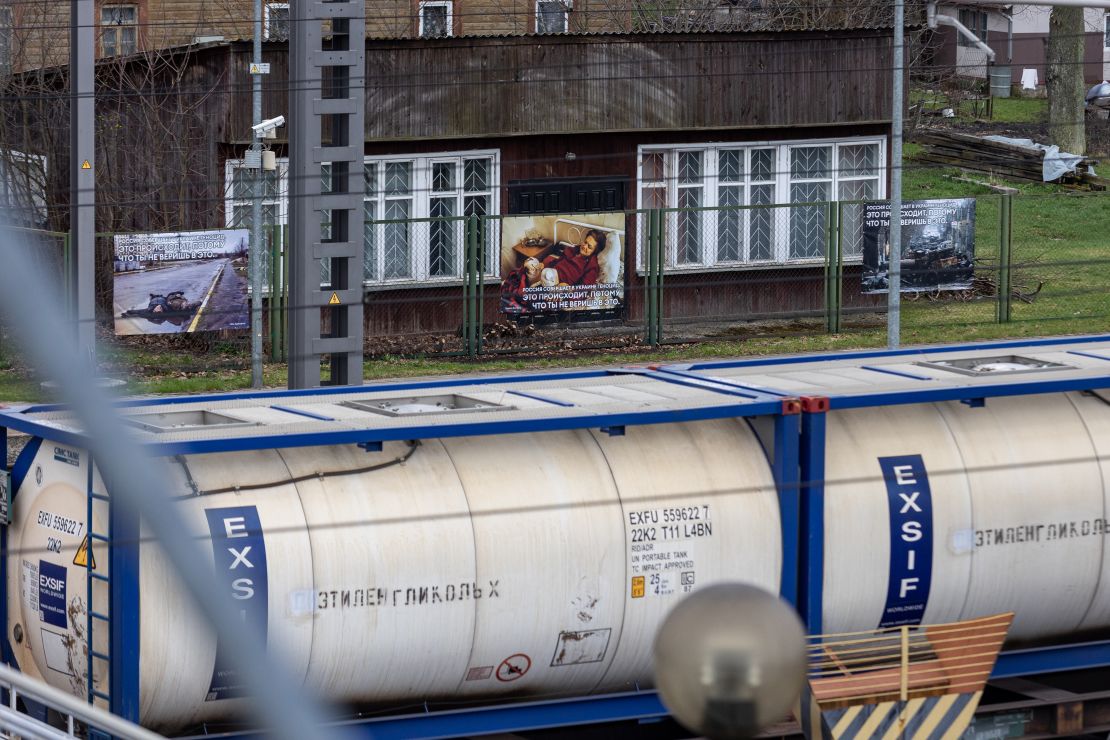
180 282
938 245
552 264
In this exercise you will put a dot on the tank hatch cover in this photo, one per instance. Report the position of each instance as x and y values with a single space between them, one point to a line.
186 421
1002 364
443 404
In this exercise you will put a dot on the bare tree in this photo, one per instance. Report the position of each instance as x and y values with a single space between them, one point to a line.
155 166
1064 79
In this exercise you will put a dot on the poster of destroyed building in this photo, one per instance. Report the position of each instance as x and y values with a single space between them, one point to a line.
938 245
180 282
558 264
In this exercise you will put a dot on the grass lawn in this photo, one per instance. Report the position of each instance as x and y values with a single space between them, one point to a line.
1060 238
1015 109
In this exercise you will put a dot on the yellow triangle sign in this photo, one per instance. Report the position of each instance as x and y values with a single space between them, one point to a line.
83 555
334 300
85 165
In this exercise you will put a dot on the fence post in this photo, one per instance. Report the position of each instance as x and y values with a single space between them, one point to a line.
654 277
649 288
645 239
480 276
466 288
839 278
830 267
470 313
284 308
1004 259
272 285
659 262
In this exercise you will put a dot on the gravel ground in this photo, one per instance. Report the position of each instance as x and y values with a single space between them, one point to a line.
15 446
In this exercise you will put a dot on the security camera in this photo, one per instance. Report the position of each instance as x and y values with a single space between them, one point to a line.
268 129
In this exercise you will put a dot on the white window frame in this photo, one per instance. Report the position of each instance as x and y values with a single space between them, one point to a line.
566 6
117 29
421 193
449 5
281 201
267 10
1106 31
711 197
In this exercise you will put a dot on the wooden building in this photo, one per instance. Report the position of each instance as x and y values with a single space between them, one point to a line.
538 123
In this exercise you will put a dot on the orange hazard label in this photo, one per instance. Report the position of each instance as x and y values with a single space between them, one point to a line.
637 587
84 557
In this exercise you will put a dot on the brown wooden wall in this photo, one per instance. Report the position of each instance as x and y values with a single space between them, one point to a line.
432 89
444 88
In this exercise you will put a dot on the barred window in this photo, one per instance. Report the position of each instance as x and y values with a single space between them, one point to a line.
751 204
414 208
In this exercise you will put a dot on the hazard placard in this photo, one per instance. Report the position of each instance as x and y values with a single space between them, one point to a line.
83 556
86 165
334 300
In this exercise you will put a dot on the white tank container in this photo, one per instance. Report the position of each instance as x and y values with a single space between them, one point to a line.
541 565
1018 515
526 565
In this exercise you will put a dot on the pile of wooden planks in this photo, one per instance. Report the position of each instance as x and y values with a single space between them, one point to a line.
997 158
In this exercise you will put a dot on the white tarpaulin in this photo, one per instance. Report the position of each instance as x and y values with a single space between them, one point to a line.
1056 163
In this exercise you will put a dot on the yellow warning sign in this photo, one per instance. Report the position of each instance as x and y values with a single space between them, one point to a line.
85 165
637 587
83 555
334 300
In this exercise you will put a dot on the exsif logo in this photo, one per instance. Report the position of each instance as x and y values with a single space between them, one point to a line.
910 504
54 584
239 552
52 593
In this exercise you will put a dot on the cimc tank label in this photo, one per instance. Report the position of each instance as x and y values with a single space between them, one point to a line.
911 539
240 555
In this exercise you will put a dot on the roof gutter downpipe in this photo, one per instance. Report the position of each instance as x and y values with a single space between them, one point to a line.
936 19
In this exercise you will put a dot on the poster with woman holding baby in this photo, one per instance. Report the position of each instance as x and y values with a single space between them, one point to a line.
555 264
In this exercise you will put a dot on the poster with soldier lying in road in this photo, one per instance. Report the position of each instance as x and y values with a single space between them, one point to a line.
180 282
938 245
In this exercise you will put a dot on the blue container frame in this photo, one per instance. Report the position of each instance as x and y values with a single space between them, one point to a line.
797 461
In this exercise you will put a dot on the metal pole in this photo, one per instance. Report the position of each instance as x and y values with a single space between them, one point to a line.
256 212
894 264
82 161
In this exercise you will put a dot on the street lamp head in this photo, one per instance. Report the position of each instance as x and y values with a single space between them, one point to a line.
729 660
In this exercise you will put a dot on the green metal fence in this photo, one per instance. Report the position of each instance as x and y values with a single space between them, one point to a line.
1041 268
